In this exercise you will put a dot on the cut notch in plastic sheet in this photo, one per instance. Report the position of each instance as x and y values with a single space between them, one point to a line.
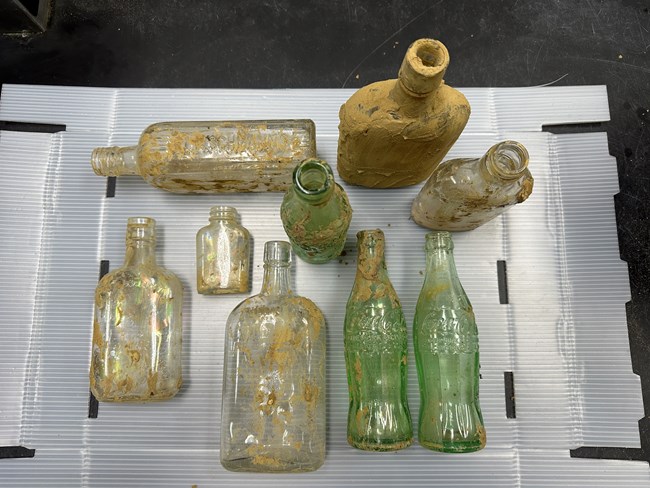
562 334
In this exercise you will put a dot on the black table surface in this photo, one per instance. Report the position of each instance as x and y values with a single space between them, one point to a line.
334 44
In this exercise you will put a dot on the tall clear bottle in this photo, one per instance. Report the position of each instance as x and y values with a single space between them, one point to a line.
213 156
376 354
273 410
463 194
316 213
222 254
137 331
447 356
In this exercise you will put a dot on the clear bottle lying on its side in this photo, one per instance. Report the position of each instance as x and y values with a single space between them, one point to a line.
222 254
316 213
273 396
213 157
463 194
445 339
137 333
375 354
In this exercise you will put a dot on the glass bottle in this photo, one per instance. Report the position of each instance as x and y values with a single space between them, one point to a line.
137 331
213 157
445 337
394 133
222 254
316 213
463 194
376 354
273 410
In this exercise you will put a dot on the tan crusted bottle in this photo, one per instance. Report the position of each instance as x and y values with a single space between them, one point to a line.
463 194
394 133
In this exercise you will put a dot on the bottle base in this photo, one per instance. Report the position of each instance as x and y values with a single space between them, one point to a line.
268 464
383 446
454 448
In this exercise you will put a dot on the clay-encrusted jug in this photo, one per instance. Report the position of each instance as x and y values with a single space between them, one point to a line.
394 133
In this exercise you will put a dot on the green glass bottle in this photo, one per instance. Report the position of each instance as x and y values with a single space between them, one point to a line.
375 354
445 337
316 213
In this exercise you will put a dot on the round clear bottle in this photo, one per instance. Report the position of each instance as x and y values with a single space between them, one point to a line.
222 254
137 330
273 396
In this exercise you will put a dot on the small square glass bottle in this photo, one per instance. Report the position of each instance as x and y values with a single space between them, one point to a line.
222 254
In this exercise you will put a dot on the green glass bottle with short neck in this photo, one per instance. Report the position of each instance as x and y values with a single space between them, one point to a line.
445 337
375 338
316 213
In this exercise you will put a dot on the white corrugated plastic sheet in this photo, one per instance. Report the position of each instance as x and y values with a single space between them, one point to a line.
563 333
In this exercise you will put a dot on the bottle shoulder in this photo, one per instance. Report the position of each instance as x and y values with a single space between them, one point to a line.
141 276
375 108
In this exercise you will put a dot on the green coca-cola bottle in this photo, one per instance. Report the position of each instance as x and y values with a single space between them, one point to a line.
375 354
445 337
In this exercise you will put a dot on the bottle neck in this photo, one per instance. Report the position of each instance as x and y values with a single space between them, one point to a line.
114 161
140 253
441 279
276 279
371 264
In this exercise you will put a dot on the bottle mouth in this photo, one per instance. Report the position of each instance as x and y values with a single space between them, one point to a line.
313 177
507 160
424 66
223 212
277 253
439 239
141 229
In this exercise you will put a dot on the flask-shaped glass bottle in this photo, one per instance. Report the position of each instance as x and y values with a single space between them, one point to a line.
137 333
222 254
316 213
445 337
463 194
376 354
273 410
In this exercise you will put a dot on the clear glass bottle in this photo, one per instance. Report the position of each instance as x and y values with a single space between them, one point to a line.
137 331
222 254
463 194
445 337
213 157
393 133
273 410
376 354
316 213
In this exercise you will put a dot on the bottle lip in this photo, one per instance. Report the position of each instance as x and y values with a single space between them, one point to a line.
313 166
277 253
141 229
223 211
439 239
507 160
424 66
